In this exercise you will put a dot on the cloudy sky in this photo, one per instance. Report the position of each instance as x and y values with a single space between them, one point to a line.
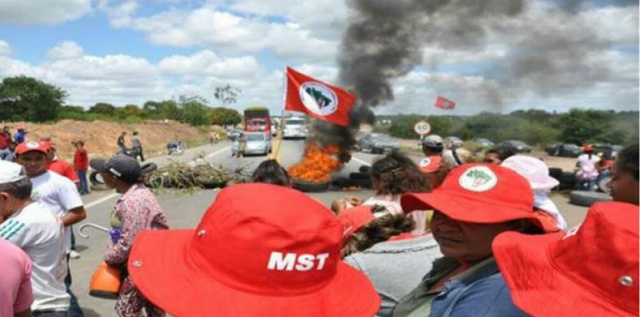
487 55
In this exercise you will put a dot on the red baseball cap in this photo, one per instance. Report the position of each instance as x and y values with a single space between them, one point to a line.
355 218
259 250
31 146
478 193
430 164
591 270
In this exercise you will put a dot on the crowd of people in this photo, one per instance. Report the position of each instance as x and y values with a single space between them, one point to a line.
448 236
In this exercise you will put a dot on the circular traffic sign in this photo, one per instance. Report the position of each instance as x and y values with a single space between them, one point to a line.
422 127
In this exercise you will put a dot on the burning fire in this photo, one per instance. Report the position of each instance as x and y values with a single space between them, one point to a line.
317 164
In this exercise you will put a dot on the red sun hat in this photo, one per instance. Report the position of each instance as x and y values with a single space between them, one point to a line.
355 218
259 250
478 193
592 270
31 146
430 164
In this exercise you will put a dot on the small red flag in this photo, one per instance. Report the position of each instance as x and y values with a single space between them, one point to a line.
444 103
317 99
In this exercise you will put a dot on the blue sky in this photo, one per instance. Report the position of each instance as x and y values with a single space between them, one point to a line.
128 52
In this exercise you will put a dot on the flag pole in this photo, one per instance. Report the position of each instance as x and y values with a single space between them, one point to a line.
275 154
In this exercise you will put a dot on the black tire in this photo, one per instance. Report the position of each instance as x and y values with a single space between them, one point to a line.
555 173
359 176
568 181
95 178
148 168
365 169
364 183
586 199
309 187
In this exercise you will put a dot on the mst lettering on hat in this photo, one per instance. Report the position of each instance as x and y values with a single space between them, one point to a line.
291 261
478 179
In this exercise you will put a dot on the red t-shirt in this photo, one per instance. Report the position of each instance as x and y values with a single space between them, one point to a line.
4 140
81 160
63 168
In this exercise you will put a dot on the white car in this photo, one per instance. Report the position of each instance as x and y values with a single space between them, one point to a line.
258 143
295 128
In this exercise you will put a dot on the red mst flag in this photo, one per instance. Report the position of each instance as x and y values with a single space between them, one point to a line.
444 103
317 99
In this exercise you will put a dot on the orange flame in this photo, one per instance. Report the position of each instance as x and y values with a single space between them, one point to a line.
317 164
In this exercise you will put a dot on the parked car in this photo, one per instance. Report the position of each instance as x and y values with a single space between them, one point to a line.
451 141
258 143
564 150
518 146
484 143
609 151
378 143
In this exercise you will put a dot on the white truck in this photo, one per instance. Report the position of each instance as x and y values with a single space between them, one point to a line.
295 128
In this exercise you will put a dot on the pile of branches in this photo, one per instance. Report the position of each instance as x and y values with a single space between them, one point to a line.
185 176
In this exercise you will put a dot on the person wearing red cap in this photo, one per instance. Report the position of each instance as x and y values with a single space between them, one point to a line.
624 176
382 246
587 172
260 250
591 270
474 204
57 194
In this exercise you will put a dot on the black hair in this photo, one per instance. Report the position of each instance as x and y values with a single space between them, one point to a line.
19 189
271 172
398 174
503 152
627 160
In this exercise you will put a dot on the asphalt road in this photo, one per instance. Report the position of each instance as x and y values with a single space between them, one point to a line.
184 211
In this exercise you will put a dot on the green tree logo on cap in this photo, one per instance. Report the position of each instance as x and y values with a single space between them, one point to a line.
478 179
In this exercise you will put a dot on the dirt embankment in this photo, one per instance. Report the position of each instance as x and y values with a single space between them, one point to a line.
100 136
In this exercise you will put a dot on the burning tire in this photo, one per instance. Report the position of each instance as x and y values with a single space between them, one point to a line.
309 187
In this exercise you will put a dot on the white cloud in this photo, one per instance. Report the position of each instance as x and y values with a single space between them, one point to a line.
42 12
5 48
65 50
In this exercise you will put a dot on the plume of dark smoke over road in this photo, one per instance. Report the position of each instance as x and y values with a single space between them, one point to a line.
385 40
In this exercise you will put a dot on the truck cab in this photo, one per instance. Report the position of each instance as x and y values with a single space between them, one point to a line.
257 120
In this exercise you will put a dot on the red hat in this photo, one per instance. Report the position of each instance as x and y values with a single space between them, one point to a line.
259 250
355 218
478 193
592 270
31 146
430 164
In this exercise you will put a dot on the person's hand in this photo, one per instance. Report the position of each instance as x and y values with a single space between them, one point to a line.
339 205
354 200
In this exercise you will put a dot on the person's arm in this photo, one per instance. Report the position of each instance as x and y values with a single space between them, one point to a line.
74 216
133 221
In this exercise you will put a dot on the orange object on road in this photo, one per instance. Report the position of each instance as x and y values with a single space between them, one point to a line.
105 282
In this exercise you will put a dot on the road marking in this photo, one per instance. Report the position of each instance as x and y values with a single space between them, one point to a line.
99 201
361 161
218 152
103 199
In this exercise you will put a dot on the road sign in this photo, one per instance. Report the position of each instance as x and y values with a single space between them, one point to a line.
422 127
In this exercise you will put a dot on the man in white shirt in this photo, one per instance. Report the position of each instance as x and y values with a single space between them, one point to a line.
57 194
39 233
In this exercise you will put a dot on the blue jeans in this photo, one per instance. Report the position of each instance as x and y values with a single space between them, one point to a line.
84 187
588 185
50 313
74 306
4 152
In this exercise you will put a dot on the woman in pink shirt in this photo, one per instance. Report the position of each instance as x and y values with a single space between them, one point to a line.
15 290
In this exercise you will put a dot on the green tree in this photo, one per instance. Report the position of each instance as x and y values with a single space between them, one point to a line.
194 110
26 98
224 116
585 126
103 108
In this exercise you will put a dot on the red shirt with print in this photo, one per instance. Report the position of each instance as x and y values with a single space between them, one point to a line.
4 140
63 168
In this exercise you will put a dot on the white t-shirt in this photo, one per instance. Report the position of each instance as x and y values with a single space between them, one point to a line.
38 232
58 194
587 166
